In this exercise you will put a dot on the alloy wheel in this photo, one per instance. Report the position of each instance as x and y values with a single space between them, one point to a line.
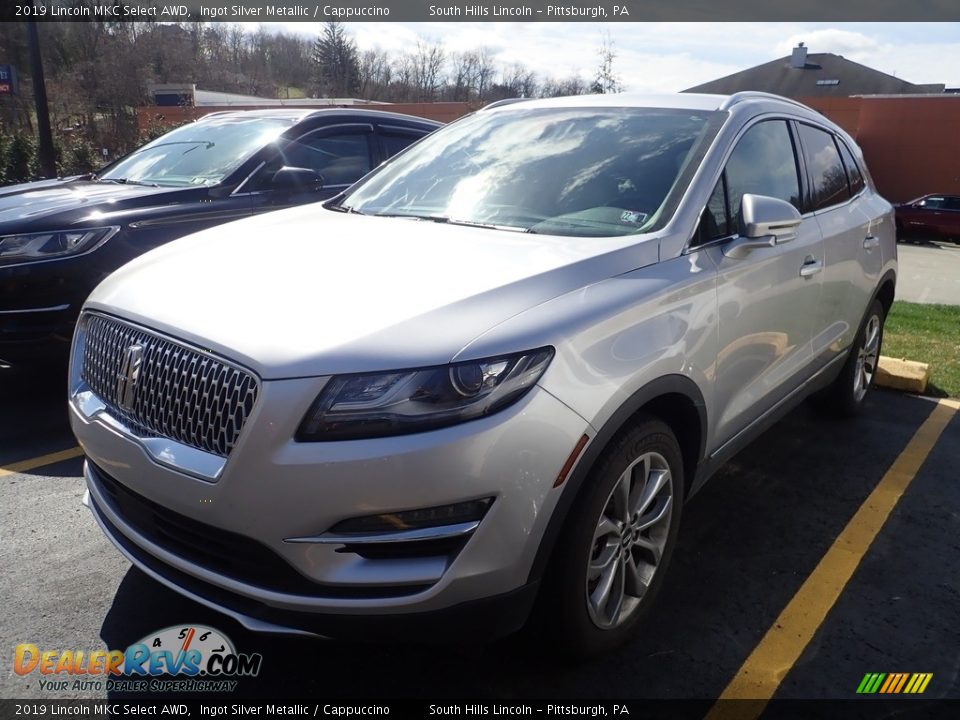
629 540
867 356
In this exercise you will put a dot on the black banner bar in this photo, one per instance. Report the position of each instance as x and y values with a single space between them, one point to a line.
476 10
226 706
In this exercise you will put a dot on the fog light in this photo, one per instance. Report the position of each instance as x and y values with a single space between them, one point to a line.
470 511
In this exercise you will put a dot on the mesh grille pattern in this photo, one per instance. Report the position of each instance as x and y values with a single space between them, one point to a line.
180 393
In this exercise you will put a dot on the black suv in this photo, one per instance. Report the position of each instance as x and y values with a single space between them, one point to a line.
60 238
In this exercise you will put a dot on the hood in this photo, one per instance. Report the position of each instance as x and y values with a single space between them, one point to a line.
70 200
310 291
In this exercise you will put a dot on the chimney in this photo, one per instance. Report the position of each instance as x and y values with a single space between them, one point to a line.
799 57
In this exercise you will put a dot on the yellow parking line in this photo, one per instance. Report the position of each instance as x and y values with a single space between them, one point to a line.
761 674
32 463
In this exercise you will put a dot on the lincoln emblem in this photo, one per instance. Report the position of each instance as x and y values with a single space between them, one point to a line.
128 376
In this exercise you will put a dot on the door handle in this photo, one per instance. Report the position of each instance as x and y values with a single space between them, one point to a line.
811 267
870 242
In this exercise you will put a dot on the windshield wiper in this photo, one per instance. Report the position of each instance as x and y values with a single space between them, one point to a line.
336 207
127 181
448 221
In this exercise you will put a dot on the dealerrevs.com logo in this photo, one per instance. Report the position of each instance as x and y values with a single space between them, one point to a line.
184 658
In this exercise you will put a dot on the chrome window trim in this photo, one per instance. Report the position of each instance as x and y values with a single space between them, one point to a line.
836 139
765 117
689 248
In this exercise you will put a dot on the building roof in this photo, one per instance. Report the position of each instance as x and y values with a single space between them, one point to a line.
175 94
814 75
206 98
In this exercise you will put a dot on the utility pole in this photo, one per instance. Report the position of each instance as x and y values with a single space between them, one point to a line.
47 161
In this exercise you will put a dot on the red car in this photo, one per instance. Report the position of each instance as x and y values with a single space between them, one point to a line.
931 217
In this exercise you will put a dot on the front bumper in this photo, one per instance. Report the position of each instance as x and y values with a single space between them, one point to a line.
40 301
272 489
29 335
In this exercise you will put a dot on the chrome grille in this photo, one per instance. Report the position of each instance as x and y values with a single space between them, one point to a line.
180 393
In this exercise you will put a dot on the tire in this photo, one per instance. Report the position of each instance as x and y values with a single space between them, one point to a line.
845 396
606 545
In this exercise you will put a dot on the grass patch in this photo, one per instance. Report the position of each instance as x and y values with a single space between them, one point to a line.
291 91
930 334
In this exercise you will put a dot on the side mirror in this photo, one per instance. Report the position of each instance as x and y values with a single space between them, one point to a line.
764 222
297 179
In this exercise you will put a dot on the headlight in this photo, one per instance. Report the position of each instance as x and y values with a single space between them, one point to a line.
352 407
54 243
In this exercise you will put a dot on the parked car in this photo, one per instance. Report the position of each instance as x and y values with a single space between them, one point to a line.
552 322
60 238
931 217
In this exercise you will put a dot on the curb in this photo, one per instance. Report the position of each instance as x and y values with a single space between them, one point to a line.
902 374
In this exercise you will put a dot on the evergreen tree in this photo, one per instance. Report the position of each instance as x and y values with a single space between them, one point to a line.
337 61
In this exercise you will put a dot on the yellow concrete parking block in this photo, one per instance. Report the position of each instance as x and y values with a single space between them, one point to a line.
901 374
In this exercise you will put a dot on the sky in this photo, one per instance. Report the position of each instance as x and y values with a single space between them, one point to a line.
669 57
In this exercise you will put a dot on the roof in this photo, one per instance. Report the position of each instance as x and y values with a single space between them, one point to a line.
676 101
778 76
298 114
203 98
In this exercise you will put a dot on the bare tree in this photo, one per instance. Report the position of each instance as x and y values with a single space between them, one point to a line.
486 71
376 73
516 81
428 60
607 81
463 75
573 85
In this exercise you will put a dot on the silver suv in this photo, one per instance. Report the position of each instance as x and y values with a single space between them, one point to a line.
492 370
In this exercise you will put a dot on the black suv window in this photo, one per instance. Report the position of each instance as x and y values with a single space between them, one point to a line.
933 203
396 139
854 176
763 163
341 158
952 203
828 180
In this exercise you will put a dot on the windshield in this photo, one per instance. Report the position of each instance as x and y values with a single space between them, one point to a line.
201 153
564 171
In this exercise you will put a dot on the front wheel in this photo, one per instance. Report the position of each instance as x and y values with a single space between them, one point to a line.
611 561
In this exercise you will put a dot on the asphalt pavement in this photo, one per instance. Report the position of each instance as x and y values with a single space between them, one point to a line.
929 272
748 542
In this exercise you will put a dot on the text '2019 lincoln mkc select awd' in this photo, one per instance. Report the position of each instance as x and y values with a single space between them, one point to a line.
484 379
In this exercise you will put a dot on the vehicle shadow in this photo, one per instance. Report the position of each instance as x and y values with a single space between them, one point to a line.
747 543
33 413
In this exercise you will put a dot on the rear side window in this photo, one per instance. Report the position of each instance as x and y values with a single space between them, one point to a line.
952 203
854 176
763 163
396 140
828 179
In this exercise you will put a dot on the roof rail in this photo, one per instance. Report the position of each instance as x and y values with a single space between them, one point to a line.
745 95
507 101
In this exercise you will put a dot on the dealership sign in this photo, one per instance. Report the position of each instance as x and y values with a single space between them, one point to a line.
8 80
